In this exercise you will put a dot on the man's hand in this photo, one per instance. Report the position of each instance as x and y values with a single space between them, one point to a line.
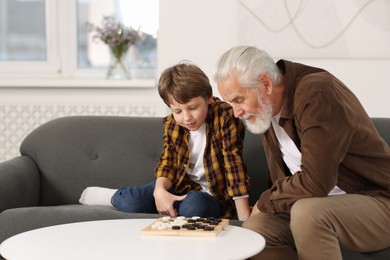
255 210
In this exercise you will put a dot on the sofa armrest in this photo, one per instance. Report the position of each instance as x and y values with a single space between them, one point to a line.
19 183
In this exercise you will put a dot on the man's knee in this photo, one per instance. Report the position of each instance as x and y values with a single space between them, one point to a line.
257 223
251 224
274 228
307 215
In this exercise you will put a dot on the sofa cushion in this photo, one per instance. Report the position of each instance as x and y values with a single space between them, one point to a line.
15 221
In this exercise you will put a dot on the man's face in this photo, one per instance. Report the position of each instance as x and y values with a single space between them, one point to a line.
249 104
192 114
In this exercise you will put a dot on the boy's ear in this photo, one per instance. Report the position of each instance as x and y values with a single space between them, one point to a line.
210 99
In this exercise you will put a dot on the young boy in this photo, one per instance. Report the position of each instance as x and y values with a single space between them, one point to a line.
201 171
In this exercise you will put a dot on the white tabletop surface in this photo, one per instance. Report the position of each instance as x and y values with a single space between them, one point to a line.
122 239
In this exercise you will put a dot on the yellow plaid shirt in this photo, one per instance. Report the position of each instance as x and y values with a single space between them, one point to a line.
224 166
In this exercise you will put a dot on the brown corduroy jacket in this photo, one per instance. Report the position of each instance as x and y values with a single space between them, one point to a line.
337 139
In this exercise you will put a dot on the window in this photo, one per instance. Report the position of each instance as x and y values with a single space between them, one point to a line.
26 45
22 39
50 39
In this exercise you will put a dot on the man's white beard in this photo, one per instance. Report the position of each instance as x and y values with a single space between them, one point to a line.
262 119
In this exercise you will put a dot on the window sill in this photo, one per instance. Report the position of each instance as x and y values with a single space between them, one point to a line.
77 83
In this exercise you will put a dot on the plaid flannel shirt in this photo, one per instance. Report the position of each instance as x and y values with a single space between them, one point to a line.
224 166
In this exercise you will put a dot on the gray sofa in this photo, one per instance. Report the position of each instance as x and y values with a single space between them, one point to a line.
60 158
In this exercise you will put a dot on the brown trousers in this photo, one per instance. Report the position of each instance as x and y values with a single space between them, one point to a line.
317 227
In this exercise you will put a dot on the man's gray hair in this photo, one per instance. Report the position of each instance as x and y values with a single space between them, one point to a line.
248 63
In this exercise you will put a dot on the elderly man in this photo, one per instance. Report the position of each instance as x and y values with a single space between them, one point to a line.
330 169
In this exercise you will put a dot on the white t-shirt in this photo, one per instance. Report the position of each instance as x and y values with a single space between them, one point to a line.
292 157
197 145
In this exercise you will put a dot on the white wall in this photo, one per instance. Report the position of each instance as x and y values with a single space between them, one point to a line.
196 30
201 30
366 78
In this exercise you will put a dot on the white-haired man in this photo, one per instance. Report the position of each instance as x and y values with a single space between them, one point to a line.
330 169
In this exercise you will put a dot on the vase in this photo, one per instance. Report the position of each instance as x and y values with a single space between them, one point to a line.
117 69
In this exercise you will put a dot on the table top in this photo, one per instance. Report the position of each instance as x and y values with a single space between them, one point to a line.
121 238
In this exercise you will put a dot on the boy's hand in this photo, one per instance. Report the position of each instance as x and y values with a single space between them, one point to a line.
164 202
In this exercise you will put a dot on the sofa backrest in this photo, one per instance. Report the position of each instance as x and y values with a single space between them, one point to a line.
111 151
383 127
256 164
79 151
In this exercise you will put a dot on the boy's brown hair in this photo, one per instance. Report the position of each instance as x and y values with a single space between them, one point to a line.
183 82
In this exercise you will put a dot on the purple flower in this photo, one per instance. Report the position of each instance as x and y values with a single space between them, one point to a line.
116 35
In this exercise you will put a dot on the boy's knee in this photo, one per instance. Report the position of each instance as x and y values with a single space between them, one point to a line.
199 210
201 206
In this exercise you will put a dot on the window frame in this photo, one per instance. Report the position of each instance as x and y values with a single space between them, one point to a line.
49 68
60 69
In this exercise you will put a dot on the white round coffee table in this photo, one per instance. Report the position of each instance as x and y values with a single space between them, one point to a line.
122 239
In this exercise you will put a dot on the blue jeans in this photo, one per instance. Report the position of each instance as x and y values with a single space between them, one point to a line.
140 199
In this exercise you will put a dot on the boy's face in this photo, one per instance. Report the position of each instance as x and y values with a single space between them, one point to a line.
192 114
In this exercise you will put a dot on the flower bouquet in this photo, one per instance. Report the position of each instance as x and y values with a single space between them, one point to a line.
119 38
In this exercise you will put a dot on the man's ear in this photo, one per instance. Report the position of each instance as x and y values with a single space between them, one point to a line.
266 82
